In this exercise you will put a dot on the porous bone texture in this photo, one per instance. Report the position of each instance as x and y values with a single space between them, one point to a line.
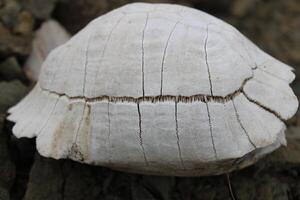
158 89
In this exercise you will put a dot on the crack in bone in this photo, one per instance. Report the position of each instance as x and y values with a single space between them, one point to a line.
140 134
211 132
154 99
109 148
241 125
264 107
177 136
143 55
206 61
106 43
49 117
86 61
164 56
162 98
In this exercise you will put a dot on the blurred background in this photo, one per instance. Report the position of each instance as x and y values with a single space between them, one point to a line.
274 25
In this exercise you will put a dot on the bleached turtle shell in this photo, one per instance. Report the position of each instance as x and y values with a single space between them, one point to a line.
159 89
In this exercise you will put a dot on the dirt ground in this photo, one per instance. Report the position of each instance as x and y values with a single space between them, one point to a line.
274 25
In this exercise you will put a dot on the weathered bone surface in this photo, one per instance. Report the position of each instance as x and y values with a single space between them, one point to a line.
159 89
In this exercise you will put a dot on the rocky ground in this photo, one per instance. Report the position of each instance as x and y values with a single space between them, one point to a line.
272 24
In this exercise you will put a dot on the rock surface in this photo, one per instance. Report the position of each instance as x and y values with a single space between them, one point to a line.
10 93
10 70
41 9
7 168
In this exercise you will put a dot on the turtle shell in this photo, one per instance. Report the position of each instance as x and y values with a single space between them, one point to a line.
158 89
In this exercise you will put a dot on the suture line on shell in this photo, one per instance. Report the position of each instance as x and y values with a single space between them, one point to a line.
143 54
177 136
264 107
109 147
164 56
211 131
74 143
241 124
154 99
140 135
164 98
206 62
106 44
86 61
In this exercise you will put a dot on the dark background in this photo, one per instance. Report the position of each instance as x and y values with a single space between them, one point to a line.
274 25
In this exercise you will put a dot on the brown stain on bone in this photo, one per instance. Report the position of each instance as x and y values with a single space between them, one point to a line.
87 131
80 150
61 142
76 153
56 137
70 107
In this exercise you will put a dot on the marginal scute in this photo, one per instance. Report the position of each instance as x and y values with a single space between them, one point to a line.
51 127
158 89
262 126
266 62
272 93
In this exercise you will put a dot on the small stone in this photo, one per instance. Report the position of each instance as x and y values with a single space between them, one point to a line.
50 35
10 69
25 23
4 194
41 9
11 93
9 13
13 44
241 7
